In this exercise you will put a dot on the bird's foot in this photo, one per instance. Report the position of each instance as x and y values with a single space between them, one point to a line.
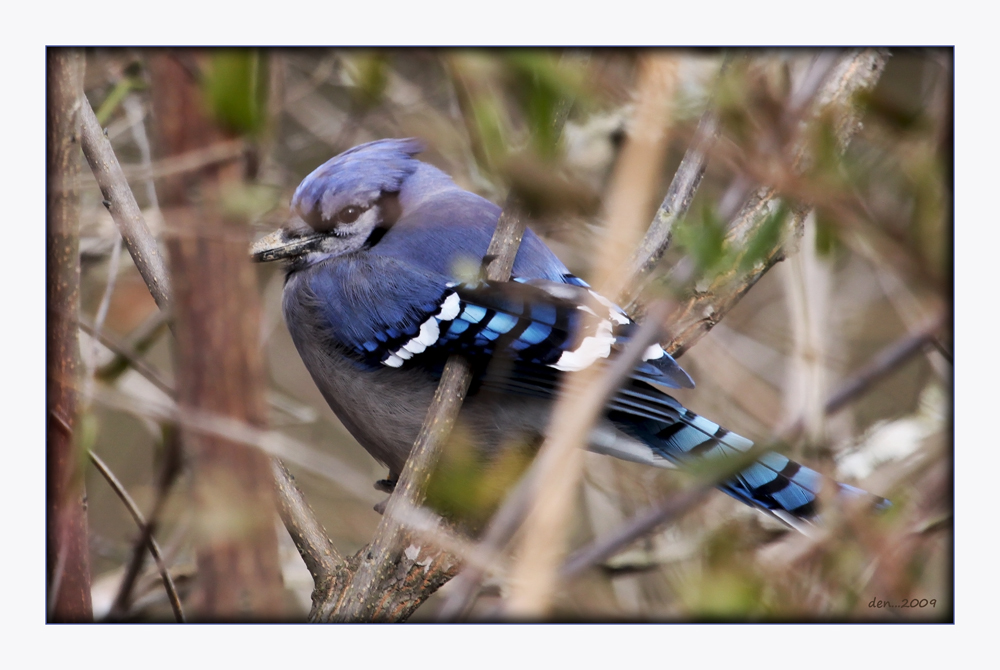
386 485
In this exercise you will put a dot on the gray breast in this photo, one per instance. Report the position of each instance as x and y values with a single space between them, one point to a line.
384 408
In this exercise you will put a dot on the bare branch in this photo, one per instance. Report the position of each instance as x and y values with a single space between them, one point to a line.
674 207
139 341
320 556
140 521
170 466
887 360
121 203
273 442
856 71
379 559
643 523
130 356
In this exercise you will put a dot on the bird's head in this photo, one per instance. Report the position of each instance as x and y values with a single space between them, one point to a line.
344 204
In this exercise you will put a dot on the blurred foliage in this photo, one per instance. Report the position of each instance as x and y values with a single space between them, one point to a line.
132 81
468 486
235 87
881 247
249 202
370 74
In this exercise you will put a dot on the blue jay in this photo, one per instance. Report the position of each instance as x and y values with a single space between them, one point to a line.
374 307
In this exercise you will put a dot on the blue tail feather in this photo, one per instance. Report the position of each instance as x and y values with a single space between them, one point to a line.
774 484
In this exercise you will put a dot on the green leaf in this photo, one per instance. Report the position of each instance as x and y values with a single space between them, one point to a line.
235 87
542 86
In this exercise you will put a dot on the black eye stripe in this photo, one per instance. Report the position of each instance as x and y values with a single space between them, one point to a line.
311 217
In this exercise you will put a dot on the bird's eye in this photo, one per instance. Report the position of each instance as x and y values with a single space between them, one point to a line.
349 214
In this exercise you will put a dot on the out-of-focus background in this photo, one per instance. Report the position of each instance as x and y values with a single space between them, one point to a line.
873 267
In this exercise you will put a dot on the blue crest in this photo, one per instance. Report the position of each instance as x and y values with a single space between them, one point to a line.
358 176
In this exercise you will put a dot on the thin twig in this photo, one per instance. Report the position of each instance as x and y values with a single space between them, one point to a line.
715 471
129 355
943 349
140 521
501 529
218 152
641 524
170 467
133 109
139 341
272 442
887 360
881 365
674 207
102 313
307 533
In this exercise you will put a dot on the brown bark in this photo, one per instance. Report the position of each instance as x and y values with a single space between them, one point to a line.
67 556
219 364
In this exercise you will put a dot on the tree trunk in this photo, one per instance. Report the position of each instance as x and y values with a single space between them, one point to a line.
67 554
219 363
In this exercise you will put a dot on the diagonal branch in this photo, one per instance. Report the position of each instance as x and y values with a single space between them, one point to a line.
559 464
121 203
674 207
380 558
856 71
140 521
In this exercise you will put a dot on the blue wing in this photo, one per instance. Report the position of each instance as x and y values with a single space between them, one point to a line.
419 318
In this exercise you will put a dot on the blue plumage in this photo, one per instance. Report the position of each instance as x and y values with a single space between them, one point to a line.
374 304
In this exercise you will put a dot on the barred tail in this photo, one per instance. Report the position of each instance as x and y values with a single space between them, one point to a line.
774 484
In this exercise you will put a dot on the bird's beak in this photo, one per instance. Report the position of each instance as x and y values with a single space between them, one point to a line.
280 244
